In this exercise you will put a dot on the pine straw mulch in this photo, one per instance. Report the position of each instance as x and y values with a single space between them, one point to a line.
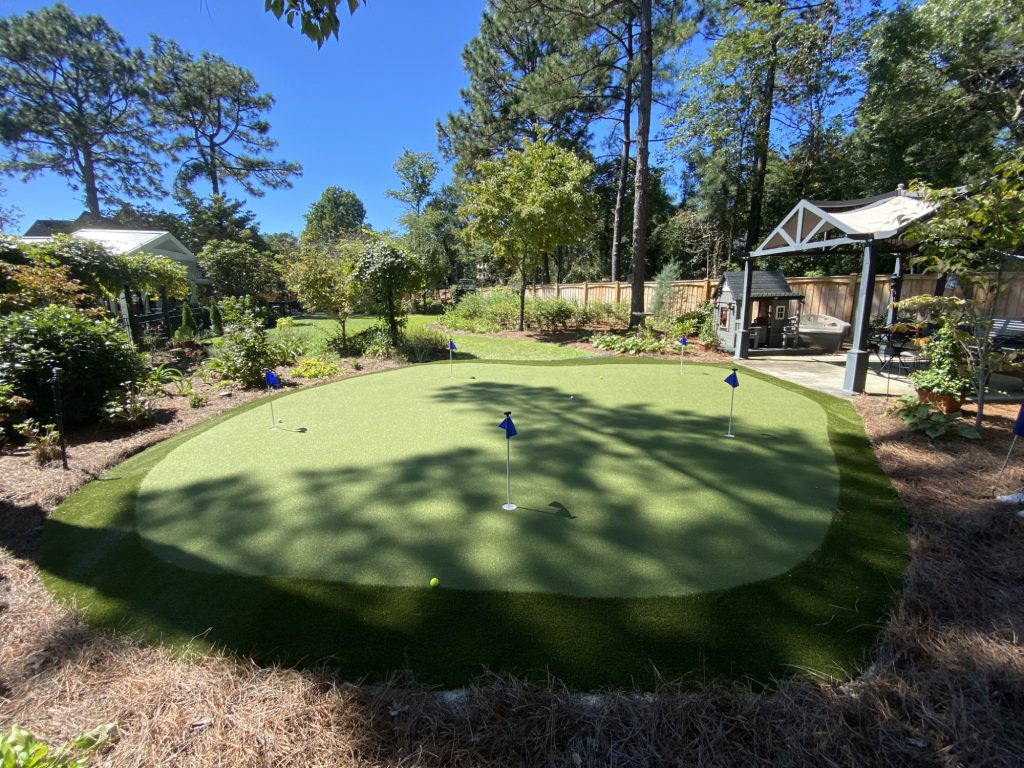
946 687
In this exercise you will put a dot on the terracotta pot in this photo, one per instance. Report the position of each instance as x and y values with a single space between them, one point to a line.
946 403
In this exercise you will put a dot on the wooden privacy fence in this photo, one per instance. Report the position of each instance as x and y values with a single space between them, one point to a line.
835 296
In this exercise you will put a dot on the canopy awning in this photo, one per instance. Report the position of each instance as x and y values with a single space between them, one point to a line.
817 224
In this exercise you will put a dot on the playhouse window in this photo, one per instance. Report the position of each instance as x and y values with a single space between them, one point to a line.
723 318
780 312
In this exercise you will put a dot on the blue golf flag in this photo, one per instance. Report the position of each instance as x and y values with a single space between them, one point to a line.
1018 428
683 341
732 380
509 427
272 380
451 345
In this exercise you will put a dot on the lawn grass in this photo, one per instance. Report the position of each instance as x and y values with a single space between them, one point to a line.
470 346
822 614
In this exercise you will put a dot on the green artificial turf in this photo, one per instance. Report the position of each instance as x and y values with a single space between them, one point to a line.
625 483
649 546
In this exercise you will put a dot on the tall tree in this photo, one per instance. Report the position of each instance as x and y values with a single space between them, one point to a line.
776 76
74 105
337 212
238 269
499 110
416 173
216 115
528 203
931 67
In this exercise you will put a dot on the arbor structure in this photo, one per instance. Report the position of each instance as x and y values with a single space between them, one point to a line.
387 272
528 203
73 104
337 212
215 114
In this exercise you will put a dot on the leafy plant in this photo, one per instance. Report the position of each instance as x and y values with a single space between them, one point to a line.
161 375
42 439
243 356
20 749
375 341
216 320
661 302
93 354
285 323
549 314
948 364
929 418
643 340
315 368
421 344
130 405
197 399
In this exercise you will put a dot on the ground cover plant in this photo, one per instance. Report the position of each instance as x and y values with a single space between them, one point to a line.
816 601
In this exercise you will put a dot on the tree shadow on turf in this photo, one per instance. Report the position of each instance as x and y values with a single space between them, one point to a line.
820 614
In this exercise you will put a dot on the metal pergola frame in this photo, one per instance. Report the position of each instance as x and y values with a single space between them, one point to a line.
813 226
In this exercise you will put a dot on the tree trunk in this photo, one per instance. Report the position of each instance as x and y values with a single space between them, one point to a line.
761 138
620 193
92 197
214 179
643 128
522 292
389 306
546 269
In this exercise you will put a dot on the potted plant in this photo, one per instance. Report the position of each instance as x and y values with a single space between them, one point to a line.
945 381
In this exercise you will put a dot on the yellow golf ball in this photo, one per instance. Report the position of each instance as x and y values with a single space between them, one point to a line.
435 582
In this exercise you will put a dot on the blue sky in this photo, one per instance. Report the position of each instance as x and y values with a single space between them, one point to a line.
344 112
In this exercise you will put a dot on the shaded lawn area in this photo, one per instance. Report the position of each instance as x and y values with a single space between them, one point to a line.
823 613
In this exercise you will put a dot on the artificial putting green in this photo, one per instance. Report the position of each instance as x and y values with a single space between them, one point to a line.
647 545
625 482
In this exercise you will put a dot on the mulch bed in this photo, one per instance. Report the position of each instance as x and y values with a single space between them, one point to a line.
945 687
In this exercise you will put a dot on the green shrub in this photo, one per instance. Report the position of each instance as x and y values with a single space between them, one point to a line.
315 368
216 320
689 323
474 313
244 312
421 344
285 323
549 314
375 341
197 399
20 749
707 329
929 418
661 302
188 320
93 354
644 340
286 349
130 405
243 355
42 439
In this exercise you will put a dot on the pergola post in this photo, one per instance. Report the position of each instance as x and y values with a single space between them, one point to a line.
742 342
857 358
895 291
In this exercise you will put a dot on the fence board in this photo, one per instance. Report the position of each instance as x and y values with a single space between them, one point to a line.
835 296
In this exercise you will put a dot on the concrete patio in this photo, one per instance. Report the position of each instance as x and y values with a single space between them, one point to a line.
824 372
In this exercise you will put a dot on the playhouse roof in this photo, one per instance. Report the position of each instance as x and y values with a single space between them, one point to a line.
770 284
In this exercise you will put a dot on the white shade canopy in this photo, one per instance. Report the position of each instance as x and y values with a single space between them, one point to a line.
816 225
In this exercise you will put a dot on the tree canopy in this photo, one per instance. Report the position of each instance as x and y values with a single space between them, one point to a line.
337 212
74 104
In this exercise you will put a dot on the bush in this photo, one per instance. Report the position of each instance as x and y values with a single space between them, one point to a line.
244 312
644 340
612 314
422 344
94 356
216 320
42 439
375 341
929 418
243 356
315 368
478 312
549 314
132 405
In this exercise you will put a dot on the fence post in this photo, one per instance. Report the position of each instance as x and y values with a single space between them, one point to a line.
586 293
618 291
558 290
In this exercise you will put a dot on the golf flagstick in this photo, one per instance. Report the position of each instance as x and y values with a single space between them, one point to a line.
1018 430
510 432
451 364
733 381
272 383
682 351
